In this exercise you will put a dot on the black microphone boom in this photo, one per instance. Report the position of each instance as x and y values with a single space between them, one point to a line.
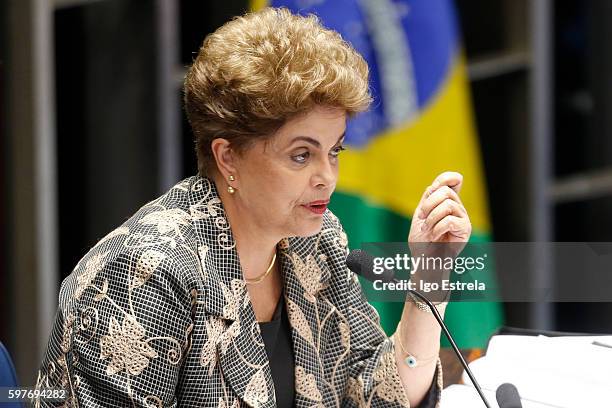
360 262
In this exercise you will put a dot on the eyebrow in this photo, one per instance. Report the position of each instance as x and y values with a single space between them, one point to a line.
313 141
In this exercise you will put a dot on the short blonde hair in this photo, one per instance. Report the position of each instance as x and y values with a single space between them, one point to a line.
259 70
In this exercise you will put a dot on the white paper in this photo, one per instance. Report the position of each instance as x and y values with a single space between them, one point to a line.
567 372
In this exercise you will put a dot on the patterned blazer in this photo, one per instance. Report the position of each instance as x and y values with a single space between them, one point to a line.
157 314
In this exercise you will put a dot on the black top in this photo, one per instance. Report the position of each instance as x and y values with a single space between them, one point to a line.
279 348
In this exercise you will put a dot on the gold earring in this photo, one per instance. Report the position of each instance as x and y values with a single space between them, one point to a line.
231 189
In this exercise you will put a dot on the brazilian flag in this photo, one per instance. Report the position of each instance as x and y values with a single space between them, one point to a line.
419 126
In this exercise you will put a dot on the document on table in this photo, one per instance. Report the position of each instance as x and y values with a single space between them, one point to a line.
565 372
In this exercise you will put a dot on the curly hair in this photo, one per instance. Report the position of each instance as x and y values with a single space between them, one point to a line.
262 69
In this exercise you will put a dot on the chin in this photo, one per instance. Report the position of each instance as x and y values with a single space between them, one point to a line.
309 229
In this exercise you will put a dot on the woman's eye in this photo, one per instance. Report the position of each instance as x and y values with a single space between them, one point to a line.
301 158
337 150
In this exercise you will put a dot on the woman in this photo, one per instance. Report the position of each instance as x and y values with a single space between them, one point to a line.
232 288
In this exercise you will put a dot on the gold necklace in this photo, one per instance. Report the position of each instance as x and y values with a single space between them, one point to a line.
262 276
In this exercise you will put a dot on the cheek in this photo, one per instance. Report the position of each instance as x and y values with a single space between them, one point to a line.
288 197
291 195
278 191
276 196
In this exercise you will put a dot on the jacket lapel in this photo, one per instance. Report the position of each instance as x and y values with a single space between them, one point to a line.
239 346
306 274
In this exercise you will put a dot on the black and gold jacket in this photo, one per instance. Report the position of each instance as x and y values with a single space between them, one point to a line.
157 314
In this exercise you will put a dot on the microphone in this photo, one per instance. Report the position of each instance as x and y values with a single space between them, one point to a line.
508 397
360 262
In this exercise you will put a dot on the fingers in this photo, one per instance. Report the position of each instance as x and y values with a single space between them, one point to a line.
441 211
436 198
445 208
456 226
449 178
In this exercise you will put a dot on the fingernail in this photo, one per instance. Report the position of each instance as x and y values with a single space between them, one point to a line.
421 213
436 184
424 227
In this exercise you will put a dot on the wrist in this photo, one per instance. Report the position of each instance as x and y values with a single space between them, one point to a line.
409 358
423 306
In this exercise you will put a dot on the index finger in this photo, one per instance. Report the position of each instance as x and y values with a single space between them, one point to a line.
449 178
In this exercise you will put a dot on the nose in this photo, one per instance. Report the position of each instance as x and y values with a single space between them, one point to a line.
325 175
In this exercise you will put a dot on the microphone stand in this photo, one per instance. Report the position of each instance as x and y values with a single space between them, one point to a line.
436 314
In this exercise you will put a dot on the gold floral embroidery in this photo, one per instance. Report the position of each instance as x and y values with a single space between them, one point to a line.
64 382
222 404
299 322
355 390
202 210
390 387
208 355
193 295
306 384
153 401
283 244
93 265
146 265
229 335
183 186
308 273
203 252
125 347
233 298
341 240
114 233
167 220
57 374
67 333
345 334
257 390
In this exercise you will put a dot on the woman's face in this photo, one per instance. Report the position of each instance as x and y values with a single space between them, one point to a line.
280 179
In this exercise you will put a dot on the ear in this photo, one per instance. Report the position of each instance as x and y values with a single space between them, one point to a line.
224 156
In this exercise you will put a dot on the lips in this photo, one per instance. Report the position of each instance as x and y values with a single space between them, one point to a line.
317 207
319 202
